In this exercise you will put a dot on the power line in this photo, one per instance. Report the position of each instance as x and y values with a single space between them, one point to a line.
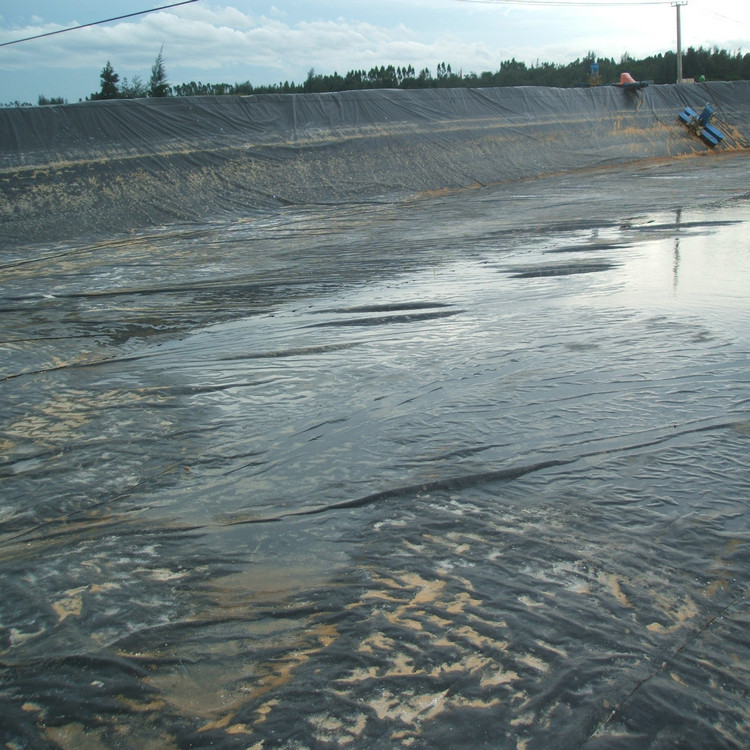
97 23
726 18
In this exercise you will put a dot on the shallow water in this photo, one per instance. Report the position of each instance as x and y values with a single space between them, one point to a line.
463 471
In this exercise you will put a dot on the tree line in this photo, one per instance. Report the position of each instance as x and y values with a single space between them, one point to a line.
712 64
113 88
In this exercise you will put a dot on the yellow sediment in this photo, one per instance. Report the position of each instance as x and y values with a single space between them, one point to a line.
610 580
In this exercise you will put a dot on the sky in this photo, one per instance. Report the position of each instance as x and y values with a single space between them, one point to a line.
270 42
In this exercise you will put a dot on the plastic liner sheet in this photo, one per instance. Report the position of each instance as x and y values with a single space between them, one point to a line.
460 470
98 168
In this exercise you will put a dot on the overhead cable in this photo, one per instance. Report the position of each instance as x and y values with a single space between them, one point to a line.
97 23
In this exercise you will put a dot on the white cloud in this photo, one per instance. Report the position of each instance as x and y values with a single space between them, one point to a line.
214 42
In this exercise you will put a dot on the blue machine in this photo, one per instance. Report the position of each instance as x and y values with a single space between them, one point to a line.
706 115
699 124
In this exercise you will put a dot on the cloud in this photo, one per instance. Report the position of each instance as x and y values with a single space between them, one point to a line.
207 39
213 42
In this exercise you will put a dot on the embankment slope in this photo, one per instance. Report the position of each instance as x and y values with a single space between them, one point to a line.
100 168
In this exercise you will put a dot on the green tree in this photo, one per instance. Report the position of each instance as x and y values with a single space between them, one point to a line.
310 81
134 89
45 101
424 80
158 85
109 79
243 89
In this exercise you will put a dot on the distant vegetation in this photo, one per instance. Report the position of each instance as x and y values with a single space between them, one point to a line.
714 64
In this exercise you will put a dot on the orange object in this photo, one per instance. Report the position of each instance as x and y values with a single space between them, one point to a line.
626 78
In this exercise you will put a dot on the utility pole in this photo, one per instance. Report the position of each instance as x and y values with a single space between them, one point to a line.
679 5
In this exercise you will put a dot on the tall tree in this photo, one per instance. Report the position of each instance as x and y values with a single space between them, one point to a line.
158 85
110 79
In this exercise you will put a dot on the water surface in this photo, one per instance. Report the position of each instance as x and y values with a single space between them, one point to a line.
463 471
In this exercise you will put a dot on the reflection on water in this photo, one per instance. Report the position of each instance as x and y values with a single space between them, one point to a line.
707 268
478 483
